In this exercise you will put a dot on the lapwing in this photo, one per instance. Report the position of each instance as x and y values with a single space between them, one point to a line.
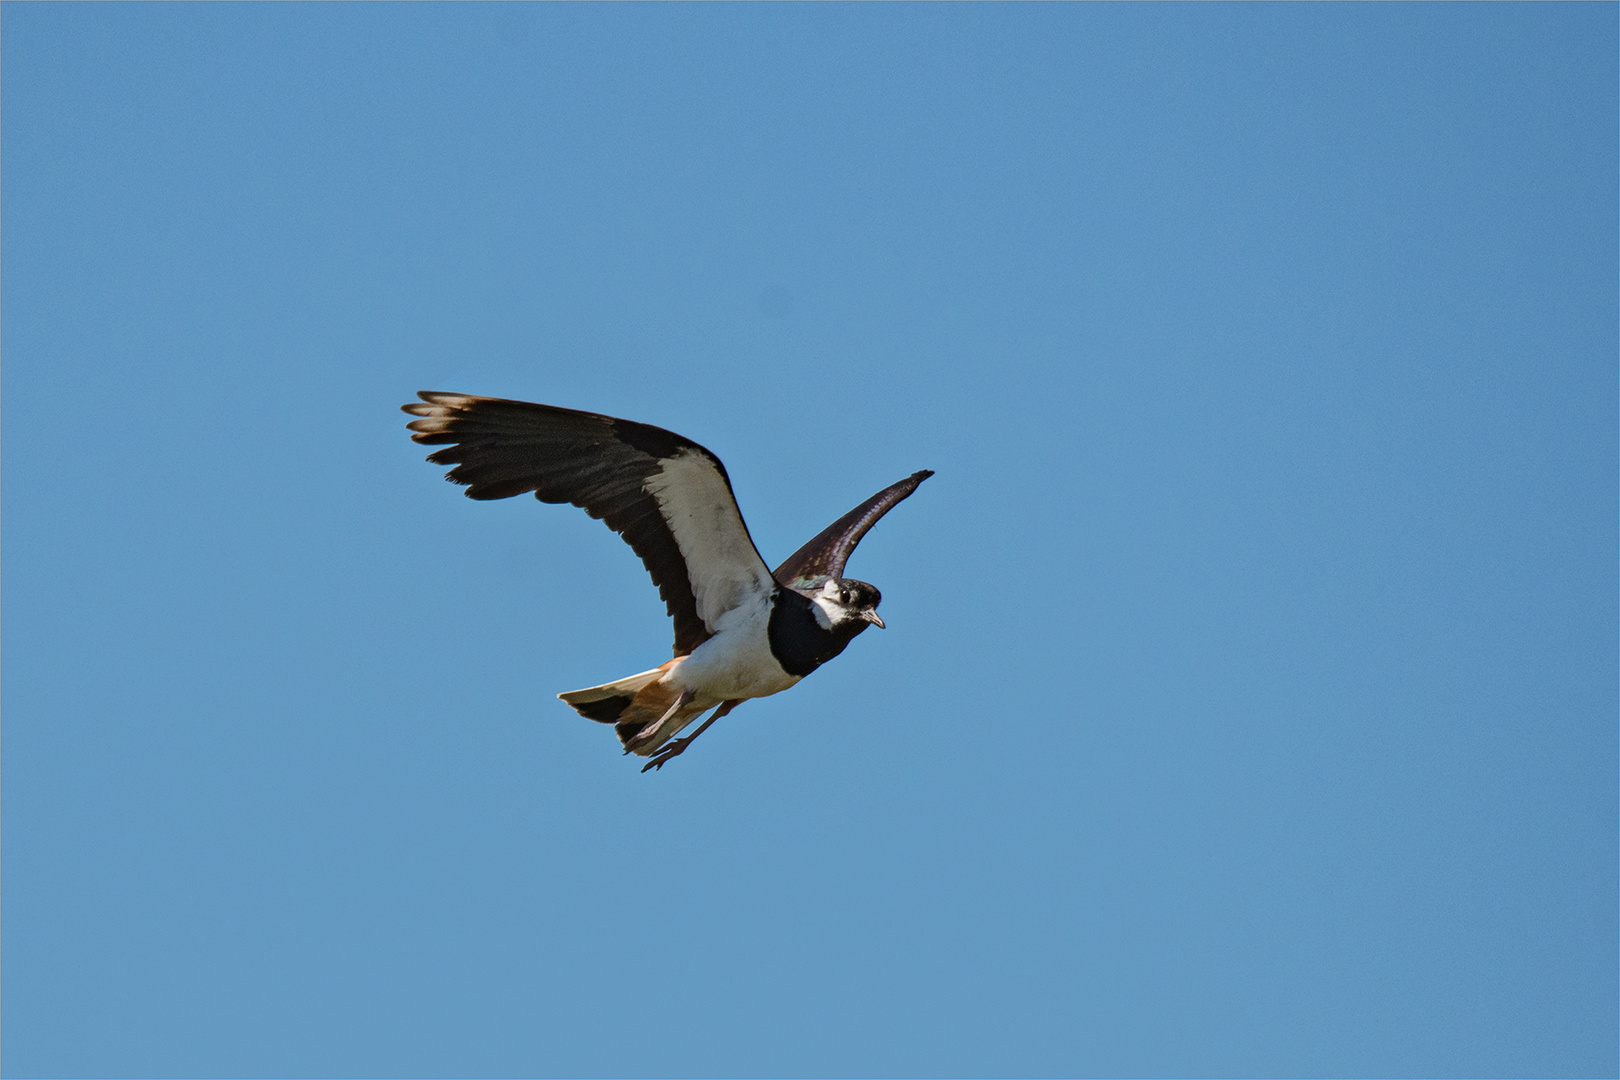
741 630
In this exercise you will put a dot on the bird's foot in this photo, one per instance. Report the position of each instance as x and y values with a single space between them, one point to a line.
673 748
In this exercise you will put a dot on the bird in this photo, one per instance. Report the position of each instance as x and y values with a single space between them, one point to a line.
742 630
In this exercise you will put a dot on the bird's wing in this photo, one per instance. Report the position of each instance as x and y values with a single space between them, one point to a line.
667 496
807 569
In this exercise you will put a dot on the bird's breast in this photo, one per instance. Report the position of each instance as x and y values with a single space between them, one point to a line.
737 662
798 640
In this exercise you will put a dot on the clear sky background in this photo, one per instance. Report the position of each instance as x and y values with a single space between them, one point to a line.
1248 704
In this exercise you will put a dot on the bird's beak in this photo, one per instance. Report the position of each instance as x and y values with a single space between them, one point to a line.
872 617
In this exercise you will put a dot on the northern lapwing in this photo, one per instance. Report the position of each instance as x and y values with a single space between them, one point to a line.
741 630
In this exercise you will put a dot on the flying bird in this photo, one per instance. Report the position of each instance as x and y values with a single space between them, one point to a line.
741 630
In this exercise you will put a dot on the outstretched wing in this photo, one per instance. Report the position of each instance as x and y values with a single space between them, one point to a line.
807 569
667 496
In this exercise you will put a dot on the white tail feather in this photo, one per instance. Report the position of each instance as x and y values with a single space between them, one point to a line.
625 687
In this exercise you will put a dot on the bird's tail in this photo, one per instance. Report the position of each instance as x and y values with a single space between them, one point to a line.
635 705
605 703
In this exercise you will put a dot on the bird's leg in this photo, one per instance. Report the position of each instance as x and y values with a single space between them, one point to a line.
676 747
682 700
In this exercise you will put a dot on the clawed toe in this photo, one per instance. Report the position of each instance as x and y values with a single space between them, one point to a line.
673 749
678 746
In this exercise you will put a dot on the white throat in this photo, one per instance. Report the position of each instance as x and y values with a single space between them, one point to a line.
827 611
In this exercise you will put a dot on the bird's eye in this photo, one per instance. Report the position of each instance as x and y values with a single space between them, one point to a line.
843 596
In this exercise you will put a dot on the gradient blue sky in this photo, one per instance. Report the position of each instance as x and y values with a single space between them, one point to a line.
1249 700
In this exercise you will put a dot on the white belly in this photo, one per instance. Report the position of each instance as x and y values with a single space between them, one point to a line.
736 663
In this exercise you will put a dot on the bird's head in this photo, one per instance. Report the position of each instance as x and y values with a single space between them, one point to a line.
842 601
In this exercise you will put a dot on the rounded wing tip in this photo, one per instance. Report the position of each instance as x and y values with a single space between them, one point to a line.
437 403
421 408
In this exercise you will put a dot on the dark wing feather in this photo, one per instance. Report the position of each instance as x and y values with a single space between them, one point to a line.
604 466
807 569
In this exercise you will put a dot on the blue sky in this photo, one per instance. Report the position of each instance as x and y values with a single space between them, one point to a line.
1248 700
